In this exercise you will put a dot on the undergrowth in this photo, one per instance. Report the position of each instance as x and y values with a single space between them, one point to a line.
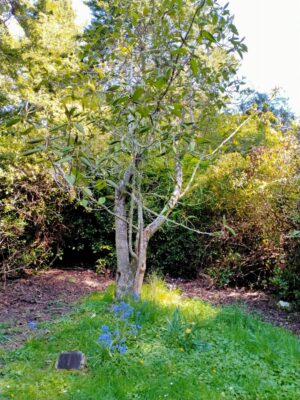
183 349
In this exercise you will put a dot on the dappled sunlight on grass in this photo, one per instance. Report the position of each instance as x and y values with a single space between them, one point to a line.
156 291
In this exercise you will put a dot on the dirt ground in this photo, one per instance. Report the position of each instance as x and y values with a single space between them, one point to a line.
52 293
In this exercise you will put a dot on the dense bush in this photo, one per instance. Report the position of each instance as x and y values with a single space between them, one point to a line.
41 225
31 225
258 194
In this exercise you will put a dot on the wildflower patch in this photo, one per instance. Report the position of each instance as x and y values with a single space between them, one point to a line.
126 327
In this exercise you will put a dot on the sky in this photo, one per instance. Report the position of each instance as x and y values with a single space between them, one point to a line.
83 12
272 31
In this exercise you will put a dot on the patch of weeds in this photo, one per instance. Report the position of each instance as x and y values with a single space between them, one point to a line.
184 335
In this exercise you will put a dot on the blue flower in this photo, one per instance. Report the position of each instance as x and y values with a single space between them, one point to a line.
106 340
135 296
105 328
32 325
122 349
123 310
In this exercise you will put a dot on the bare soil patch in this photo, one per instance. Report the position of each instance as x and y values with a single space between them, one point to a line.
41 297
54 292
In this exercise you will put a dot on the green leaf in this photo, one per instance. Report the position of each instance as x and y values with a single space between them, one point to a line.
32 151
56 128
160 82
79 127
12 121
120 100
227 227
86 162
87 192
194 66
113 88
100 184
36 140
177 109
28 130
84 203
70 179
101 200
144 111
294 234
179 52
207 35
233 29
144 129
137 93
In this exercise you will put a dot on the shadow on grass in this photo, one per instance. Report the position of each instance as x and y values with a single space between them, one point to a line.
186 349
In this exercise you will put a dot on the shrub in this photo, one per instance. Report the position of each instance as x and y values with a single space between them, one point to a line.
31 226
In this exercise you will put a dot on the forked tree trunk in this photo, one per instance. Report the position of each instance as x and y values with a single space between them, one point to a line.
130 273
131 263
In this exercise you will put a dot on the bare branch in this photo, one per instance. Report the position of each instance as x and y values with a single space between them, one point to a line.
161 218
130 224
229 137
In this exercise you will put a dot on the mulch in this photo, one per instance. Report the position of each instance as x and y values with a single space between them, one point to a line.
54 292
41 297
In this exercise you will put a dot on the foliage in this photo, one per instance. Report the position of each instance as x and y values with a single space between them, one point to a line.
259 250
31 226
276 104
183 334
247 359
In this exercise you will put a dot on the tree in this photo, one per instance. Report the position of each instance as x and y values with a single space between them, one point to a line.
36 67
152 73
275 104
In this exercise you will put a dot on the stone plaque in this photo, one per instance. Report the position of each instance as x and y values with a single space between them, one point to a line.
71 360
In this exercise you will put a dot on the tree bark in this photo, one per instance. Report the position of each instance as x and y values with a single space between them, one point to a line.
125 275
141 262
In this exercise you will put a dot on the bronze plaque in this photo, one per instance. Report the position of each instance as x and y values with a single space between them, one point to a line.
71 360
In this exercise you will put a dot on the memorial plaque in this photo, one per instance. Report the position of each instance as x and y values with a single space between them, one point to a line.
71 360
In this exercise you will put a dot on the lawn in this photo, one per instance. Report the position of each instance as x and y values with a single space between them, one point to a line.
160 347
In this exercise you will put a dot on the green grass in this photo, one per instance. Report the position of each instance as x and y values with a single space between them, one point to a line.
236 356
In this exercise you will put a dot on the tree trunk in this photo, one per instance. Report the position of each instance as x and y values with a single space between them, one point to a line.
141 263
125 275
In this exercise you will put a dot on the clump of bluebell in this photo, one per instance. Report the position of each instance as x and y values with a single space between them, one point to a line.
126 318
112 340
